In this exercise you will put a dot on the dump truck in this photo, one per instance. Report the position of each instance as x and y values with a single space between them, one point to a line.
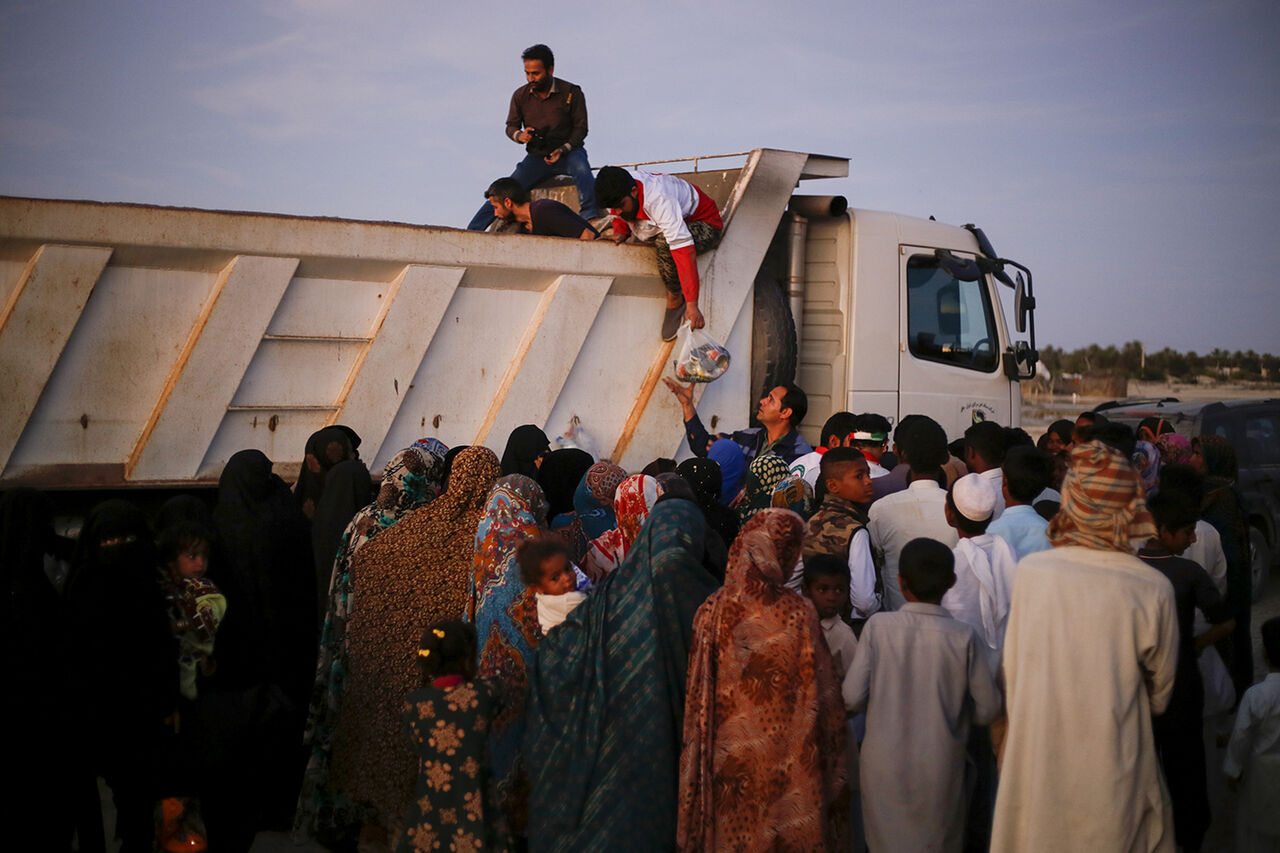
142 346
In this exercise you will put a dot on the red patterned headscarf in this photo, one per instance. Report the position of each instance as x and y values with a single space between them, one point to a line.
1102 505
634 501
632 504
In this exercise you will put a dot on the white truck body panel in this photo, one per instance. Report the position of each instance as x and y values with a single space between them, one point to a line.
144 345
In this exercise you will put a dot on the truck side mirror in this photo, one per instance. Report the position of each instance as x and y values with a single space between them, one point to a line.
1020 307
1020 361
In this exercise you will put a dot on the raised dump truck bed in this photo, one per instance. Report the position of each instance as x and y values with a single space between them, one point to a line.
146 345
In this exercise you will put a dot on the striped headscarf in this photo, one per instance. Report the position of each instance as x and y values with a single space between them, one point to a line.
1102 505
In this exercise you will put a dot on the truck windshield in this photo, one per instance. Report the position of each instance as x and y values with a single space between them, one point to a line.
949 320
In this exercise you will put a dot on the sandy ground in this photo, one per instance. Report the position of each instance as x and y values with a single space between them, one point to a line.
1040 411
1192 391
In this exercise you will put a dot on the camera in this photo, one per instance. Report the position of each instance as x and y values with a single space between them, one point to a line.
538 144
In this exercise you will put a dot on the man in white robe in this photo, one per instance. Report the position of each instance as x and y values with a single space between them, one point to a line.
1090 654
984 567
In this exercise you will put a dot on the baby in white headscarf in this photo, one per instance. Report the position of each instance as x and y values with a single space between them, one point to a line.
558 585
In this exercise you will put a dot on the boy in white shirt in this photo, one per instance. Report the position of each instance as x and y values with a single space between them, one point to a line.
826 584
920 677
1253 755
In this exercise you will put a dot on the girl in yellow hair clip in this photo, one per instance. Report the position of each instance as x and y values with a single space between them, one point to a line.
447 720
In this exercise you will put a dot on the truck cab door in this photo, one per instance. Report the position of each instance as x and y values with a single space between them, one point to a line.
951 337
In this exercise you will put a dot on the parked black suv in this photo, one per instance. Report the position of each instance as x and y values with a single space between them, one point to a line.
1253 427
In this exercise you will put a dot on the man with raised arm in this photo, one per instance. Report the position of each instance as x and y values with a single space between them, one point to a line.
780 413
679 218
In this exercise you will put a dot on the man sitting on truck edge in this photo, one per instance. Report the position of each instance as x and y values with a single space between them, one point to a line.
549 117
544 216
780 413
681 220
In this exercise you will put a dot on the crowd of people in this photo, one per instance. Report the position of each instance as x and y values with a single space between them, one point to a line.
892 642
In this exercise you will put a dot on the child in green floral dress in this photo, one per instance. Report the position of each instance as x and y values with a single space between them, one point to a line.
447 721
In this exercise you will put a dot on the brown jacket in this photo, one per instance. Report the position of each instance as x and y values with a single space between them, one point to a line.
561 116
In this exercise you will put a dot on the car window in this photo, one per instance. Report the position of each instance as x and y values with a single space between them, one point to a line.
1262 438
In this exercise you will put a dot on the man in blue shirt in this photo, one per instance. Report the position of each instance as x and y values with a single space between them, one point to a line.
1027 471
780 413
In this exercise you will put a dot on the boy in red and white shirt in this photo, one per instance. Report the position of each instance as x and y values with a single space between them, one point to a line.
678 217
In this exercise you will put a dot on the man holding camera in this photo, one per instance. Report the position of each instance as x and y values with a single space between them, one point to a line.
549 117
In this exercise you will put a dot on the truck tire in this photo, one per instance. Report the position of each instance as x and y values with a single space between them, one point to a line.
1259 560
773 348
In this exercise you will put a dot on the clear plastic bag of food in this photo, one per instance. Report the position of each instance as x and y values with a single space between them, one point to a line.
576 437
700 357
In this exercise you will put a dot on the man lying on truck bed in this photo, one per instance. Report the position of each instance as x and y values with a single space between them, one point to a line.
681 220
544 216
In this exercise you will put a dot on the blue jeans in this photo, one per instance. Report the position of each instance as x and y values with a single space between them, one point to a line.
532 171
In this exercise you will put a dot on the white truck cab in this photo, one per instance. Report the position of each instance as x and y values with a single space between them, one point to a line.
924 338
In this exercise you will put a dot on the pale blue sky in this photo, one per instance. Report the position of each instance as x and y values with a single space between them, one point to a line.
1128 152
